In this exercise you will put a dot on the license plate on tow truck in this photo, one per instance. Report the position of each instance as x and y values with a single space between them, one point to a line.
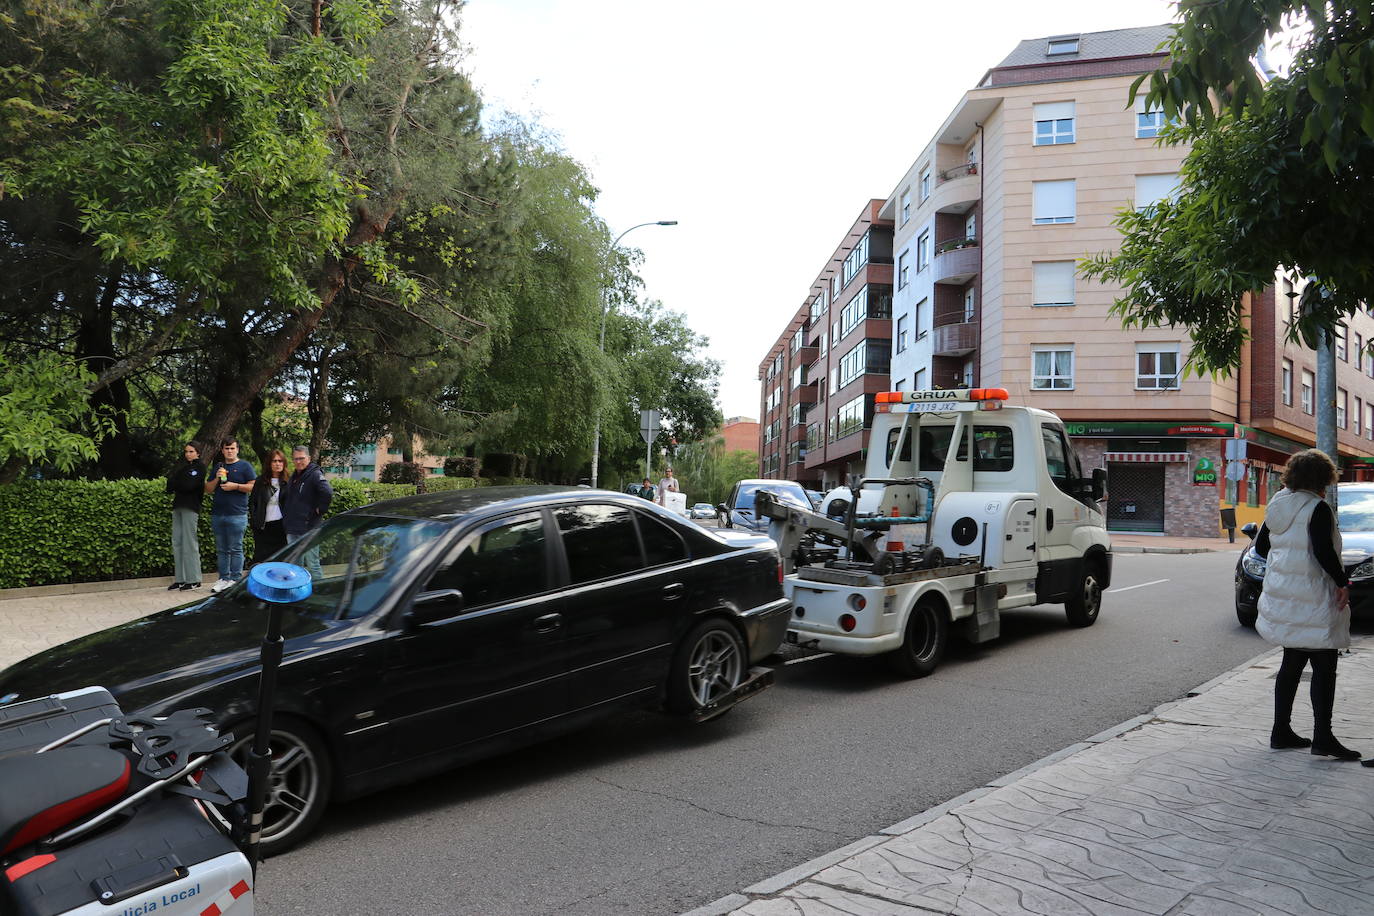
758 679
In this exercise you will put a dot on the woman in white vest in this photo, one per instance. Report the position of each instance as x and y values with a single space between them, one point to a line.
1305 605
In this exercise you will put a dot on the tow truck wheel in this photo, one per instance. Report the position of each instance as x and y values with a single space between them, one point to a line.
298 783
1083 605
923 646
707 665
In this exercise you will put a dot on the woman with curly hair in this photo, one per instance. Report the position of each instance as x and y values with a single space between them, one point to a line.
1305 604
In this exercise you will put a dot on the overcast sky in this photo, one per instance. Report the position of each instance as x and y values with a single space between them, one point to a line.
762 126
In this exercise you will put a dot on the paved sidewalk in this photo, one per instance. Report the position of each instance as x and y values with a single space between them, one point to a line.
1152 543
1184 811
34 623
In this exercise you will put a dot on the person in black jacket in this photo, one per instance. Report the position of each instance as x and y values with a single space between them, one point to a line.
265 507
186 483
304 502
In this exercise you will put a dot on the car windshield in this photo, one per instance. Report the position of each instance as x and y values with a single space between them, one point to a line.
788 493
1355 511
355 560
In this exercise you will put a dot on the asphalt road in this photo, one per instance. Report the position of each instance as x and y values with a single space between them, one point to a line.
645 815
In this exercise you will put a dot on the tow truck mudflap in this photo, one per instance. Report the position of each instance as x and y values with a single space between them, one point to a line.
759 679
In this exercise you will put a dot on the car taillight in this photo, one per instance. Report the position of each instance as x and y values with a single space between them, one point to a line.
858 602
847 622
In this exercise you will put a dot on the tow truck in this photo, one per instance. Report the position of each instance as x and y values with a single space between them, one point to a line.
968 507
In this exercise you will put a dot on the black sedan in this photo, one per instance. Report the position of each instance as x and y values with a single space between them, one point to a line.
1355 516
449 627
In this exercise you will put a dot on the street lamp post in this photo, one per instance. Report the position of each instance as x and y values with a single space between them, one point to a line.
605 312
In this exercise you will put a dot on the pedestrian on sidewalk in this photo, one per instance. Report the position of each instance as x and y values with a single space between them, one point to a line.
667 484
230 484
264 507
1305 604
304 502
186 483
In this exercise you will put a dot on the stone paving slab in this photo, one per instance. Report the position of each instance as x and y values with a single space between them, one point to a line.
1182 812
31 624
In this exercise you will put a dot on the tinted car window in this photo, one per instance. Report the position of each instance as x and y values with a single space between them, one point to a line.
995 448
1056 461
501 564
661 543
1356 511
355 560
600 541
744 497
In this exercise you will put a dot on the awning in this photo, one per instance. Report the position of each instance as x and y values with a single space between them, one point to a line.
1146 457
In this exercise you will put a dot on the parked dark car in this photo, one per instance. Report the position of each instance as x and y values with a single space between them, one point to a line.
738 510
448 627
1355 517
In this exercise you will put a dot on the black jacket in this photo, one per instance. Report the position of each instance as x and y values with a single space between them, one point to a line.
305 500
259 497
186 483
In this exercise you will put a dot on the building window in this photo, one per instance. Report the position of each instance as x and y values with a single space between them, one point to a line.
1053 202
1286 382
1342 401
1341 353
918 381
899 342
1051 368
855 260
1053 123
1156 365
970 303
1052 283
855 312
906 206
796 341
794 415
1149 122
900 385
1308 383
1062 46
925 183
1359 353
902 267
852 417
1356 415
968 373
1151 189
1369 420
834 287
853 363
835 333
798 376
923 251
817 307
834 379
971 226
824 338
918 325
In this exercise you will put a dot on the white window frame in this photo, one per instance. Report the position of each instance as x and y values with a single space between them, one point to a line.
1342 408
906 206
924 184
1309 384
918 380
1151 189
1059 46
923 250
1047 284
1149 123
1053 124
1043 202
1286 382
1157 380
970 304
1051 381
899 342
902 268
917 329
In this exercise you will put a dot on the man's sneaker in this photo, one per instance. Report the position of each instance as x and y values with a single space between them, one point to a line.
220 586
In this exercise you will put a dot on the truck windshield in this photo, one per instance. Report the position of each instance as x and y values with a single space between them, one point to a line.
995 447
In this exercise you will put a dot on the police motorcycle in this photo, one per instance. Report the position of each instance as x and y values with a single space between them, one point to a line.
103 812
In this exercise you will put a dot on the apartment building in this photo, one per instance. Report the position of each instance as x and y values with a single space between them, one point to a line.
367 462
741 434
820 375
1022 180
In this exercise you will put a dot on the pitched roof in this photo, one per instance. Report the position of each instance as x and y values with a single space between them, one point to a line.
1091 46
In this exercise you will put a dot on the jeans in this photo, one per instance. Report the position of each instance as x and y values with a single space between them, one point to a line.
228 531
311 558
185 550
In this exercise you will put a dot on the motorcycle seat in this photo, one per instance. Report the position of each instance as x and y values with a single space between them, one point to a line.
46 792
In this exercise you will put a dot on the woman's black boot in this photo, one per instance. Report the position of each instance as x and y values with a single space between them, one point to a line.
1326 745
1283 737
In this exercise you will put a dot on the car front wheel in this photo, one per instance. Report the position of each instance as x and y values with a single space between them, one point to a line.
1083 605
298 782
708 664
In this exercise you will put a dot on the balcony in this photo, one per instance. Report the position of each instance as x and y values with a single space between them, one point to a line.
797 433
805 355
957 339
956 261
806 394
958 189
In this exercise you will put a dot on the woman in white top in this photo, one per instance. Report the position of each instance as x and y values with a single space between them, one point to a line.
264 507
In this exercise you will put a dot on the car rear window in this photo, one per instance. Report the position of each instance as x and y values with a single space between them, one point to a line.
789 494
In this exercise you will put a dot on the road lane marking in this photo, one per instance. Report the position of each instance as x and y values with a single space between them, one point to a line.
1113 591
809 658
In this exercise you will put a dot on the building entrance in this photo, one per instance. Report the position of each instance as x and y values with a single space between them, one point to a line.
1135 497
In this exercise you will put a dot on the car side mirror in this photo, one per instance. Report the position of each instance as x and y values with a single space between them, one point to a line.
428 607
1249 529
1099 484
720 509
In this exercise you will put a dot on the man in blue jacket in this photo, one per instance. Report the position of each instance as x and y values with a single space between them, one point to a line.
304 502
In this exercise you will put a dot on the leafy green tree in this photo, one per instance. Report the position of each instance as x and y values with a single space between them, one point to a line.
708 471
44 417
1277 179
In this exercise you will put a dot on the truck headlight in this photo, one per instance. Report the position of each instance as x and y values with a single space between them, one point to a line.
1254 564
1364 571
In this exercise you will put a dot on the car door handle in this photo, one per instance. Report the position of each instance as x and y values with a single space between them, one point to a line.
672 592
548 623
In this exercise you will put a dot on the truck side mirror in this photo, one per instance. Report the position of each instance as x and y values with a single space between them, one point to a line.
1099 491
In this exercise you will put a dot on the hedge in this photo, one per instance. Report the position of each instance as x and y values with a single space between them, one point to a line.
86 531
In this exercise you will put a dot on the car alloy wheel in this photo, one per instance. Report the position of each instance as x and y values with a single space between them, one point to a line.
708 664
297 784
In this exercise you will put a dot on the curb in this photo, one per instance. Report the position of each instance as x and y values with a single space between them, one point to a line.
1130 548
768 886
89 588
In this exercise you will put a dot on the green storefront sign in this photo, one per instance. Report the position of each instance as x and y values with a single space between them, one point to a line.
1205 473
1146 430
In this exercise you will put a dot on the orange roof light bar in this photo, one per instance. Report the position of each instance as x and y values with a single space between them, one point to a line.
937 395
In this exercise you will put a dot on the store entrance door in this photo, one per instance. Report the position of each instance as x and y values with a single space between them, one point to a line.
1135 497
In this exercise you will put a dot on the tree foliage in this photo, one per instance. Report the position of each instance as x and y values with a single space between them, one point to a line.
44 416
1278 178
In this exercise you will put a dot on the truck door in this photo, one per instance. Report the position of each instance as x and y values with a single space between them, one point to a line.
1060 514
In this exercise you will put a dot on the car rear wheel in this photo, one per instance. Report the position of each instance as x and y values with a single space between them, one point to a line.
298 782
1246 616
708 664
923 644
1083 605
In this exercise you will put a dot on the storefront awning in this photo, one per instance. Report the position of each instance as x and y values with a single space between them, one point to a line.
1146 457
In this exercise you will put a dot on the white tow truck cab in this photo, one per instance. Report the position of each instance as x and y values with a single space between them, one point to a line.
968 507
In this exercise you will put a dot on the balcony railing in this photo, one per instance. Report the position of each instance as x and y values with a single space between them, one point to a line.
954 244
959 171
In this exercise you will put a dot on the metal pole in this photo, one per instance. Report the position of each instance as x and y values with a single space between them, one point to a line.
1326 402
601 345
260 756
